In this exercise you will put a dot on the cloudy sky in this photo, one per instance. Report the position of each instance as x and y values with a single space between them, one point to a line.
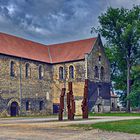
53 21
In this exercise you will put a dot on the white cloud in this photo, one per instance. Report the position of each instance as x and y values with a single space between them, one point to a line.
58 20
123 3
11 9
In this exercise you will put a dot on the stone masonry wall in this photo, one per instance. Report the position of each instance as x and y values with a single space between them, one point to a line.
78 82
49 88
99 91
31 88
79 77
93 60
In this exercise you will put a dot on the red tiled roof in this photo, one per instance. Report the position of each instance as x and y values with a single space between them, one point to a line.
19 47
70 51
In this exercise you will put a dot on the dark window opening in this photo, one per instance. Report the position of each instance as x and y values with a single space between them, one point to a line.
71 72
27 105
27 71
61 73
96 72
40 72
41 105
12 72
112 105
99 58
102 73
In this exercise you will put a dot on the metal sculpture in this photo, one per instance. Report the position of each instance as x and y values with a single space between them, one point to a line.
85 101
61 107
70 102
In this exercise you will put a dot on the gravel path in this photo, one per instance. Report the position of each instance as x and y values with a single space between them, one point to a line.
50 129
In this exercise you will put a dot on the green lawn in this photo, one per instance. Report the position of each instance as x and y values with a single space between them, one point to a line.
114 114
127 126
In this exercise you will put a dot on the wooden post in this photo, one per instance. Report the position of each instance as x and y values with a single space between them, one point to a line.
68 105
61 107
85 101
70 102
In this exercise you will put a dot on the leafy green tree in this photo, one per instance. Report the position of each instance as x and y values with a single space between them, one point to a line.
134 97
121 28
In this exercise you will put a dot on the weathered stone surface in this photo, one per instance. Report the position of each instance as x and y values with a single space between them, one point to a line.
98 87
78 81
21 89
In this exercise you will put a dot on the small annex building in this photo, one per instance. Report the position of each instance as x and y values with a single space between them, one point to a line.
32 75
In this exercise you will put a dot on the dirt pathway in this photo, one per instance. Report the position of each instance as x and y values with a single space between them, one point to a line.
50 129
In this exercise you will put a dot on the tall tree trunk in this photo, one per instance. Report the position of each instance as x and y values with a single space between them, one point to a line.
128 85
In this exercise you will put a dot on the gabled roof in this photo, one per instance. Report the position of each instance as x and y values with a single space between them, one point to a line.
56 53
71 51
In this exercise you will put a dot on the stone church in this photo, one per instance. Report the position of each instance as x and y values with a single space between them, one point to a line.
32 75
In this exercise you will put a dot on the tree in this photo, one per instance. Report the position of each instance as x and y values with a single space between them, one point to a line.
121 28
134 97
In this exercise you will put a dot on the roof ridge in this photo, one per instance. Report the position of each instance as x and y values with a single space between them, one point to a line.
63 52
18 37
22 38
72 41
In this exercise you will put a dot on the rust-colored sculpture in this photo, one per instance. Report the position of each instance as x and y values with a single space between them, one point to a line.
61 107
85 101
70 102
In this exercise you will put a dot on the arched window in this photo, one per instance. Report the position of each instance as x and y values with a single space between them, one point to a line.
27 70
40 72
61 73
102 73
12 72
96 72
71 72
27 105
41 105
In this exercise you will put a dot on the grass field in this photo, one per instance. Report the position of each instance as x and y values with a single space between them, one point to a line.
114 114
127 126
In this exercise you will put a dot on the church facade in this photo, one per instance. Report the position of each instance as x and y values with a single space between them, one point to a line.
32 75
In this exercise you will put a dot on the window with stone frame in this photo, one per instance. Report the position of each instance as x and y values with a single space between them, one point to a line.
71 72
96 70
27 70
12 69
41 72
102 73
61 73
41 105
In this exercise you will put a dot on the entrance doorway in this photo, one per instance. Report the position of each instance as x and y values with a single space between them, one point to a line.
14 109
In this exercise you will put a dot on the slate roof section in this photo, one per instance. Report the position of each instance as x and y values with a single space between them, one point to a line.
56 53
